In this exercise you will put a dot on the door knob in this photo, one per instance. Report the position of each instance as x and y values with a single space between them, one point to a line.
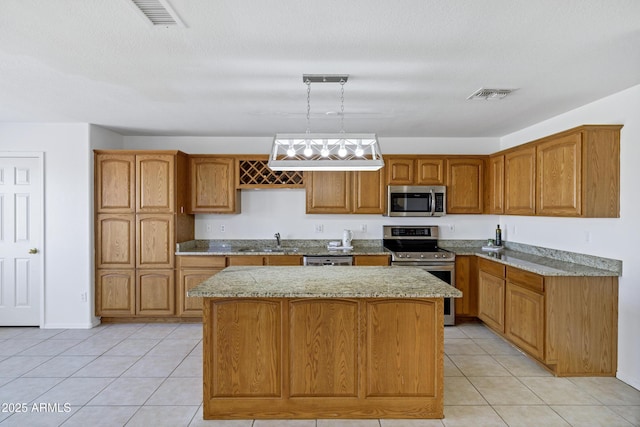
33 251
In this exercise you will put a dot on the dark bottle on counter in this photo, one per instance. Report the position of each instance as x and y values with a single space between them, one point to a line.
498 236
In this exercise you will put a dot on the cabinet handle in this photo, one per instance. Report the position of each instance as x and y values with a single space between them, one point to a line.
33 251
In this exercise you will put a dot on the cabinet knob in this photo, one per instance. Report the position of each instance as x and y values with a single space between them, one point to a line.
33 251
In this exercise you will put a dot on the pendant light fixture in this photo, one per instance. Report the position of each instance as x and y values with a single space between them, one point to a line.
325 151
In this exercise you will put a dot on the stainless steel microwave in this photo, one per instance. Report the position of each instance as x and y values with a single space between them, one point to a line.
416 200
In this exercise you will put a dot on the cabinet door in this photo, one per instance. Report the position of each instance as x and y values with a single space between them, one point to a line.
465 186
328 192
189 278
155 183
155 239
467 282
558 184
369 192
496 182
283 260
395 330
525 319
115 293
155 292
491 300
379 260
115 176
115 241
213 185
400 171
245 260
519 181
430 172
323 334
245 354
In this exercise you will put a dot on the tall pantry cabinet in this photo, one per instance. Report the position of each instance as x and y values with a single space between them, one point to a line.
140 204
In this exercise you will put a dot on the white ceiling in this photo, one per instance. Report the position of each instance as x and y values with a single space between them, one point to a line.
236 69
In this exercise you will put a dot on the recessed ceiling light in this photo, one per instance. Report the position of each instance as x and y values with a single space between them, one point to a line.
490 94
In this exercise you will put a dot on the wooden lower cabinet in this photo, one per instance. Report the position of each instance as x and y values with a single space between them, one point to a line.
568 323
191 271
375 260
491 287
524 313
115 292
155 292
323 358
467 282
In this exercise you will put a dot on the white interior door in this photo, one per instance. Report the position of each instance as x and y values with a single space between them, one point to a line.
20 240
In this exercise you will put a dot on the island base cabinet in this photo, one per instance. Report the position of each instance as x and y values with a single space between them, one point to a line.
323 358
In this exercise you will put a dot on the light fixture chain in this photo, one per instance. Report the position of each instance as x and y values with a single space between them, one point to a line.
308 105
342 82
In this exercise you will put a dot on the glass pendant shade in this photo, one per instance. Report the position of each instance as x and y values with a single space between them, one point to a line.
325 152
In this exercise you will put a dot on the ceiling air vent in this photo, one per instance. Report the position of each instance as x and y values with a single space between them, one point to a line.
158 12
490 94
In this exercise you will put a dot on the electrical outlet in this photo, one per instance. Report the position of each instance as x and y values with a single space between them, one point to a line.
319 228
363 228
209 228
83 297
452 227
222 228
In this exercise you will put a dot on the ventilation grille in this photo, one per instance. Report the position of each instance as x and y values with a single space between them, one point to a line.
490 94
158 12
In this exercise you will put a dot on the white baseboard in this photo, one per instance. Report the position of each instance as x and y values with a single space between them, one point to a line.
95 322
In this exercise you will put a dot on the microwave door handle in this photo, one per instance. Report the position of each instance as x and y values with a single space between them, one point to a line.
433 203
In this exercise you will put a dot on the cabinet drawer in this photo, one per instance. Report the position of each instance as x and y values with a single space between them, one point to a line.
371 260
526 279
245 260
201 261
491 267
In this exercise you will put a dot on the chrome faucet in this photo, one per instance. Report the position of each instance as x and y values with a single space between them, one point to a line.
277 236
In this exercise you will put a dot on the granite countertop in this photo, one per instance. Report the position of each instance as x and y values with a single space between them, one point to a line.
543 261
324 282
539 264
268 247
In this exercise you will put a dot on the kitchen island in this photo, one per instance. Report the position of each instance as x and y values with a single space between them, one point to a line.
323 342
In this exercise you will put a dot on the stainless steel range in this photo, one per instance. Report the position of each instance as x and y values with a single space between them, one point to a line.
417 246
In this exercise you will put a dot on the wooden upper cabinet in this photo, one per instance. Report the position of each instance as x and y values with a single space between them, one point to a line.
430 171
415 170
155 183
465 178
520 181
213 185
328 192
558 182
115 189
578 173
400 171
369 192
496 184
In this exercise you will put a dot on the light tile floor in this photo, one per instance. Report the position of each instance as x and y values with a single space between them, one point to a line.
150 375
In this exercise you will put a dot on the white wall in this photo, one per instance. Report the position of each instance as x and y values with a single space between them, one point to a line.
68 259
611 238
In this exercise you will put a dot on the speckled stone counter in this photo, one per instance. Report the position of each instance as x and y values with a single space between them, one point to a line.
549 264
324 282
269 247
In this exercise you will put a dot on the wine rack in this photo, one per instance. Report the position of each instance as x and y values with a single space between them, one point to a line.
253 173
